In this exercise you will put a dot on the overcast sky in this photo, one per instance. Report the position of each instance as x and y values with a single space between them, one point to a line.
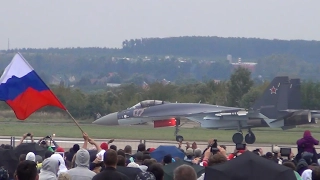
106 23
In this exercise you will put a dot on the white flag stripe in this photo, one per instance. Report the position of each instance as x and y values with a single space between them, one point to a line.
18 67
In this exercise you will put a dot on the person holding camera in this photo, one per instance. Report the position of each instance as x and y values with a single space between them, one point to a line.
25 136
43 143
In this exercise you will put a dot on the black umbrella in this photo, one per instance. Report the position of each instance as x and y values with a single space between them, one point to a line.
168 169
24 148
8 160
249 166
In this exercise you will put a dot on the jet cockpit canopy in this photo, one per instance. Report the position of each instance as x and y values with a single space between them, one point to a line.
148 103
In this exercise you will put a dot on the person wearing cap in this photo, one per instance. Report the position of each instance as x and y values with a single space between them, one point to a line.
189 155
43 143
277 155
39 162
31 156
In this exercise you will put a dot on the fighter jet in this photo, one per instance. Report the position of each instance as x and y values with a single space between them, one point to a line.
270 110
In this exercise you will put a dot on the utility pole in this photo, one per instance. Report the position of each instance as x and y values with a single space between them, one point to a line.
8 44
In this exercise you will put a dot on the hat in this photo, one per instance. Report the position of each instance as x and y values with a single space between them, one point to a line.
269 155
47 154
76 148
151 149
31 157
104 146
276 149
39 159
189 152
145 176
133 165
59 149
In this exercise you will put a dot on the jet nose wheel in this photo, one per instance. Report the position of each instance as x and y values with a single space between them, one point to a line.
179 138
237 138
250 138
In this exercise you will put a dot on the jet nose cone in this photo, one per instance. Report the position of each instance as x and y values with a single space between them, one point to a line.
110 119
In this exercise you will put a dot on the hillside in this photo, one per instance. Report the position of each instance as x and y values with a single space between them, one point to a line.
177 59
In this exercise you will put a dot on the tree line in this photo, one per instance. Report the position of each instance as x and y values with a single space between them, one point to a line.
247 48
179 59
239 91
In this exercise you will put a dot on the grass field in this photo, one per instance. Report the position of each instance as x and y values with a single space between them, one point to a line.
140 132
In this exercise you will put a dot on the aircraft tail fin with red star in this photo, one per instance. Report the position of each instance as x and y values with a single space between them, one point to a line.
274 98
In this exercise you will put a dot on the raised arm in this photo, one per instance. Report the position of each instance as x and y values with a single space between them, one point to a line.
92 142
86 139
22 139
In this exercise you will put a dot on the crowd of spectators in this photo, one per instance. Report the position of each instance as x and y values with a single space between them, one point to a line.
107 162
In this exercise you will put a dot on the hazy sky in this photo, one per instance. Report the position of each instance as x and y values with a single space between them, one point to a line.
106 23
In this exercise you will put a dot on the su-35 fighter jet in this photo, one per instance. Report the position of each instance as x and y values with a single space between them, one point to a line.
278 107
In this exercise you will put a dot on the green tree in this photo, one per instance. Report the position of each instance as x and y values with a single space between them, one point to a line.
240 83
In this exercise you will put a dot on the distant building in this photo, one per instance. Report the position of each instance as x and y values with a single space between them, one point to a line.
229 58
113 84
248 65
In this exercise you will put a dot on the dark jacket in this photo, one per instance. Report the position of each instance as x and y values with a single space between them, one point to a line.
110 173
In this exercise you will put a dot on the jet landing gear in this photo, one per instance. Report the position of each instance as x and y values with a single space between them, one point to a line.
178 137
250 138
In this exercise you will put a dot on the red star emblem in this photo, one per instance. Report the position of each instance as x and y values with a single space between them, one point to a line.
273 90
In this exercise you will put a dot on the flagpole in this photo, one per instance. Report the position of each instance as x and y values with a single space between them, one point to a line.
74 120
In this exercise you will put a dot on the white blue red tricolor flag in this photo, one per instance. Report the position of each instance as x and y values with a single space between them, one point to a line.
23 90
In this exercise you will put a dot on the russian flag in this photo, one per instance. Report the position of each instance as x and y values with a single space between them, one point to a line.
23 90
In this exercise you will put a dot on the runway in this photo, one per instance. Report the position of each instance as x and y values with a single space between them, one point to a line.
67 143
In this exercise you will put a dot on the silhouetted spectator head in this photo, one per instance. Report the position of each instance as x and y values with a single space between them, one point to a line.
75 148
156 170
316 173
146 156
269 155
22 157
139 156
290 164
114 147
197 152
216 159
189 153
121 161
27 170
141 147
128 149
120 152
167 159
47 154
110 158
39 159
184 172
147 162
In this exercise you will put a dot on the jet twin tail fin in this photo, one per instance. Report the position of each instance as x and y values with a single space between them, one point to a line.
274 98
